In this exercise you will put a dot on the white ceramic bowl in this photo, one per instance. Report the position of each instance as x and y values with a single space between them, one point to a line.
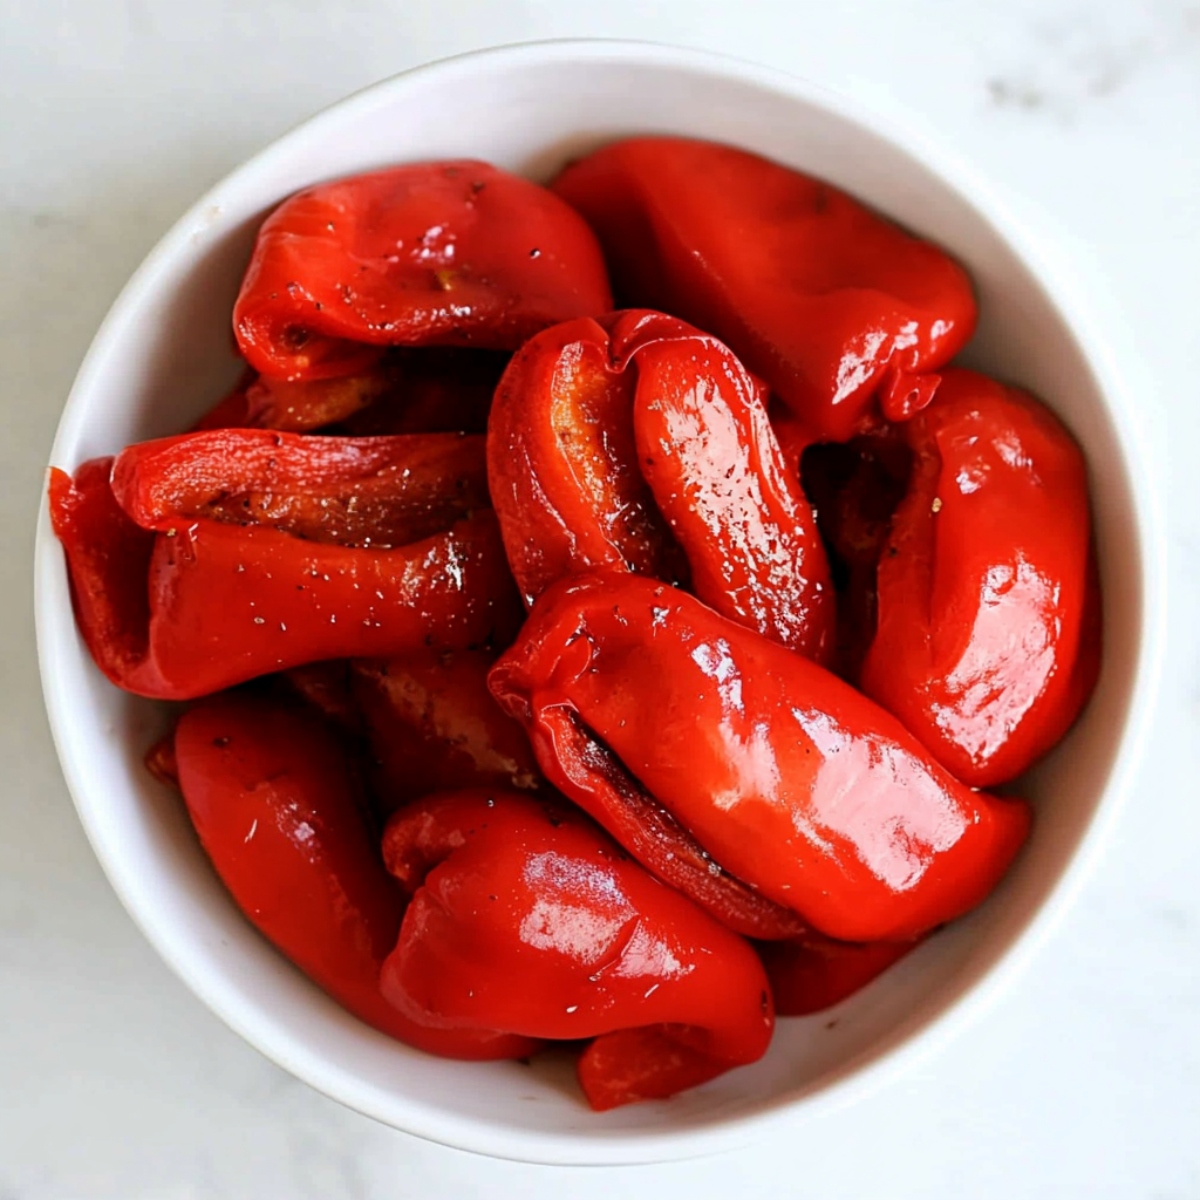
164 353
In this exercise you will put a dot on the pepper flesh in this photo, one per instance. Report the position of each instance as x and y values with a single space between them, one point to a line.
827 301
269 790
256 402
383 491
428 389
710 456
987 638
527 918
562 462
791 779
452 253
433 726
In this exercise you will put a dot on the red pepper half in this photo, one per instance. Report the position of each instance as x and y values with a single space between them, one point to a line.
385 491
790 779
204 605
823 298
987 639
710 456
527 918
433 726
591 412
270 792
452 253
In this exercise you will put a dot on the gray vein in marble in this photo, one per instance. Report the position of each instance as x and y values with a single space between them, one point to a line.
1093 53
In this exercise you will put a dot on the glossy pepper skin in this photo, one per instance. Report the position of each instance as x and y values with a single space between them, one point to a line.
451 253
433 726
791 779
987 639
707 450
272 796
526 918
601 429
824 299
204 605
583 768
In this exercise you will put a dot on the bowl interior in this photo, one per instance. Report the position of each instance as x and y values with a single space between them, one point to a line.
165 353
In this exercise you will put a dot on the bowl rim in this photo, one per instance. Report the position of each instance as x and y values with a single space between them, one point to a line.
605 1147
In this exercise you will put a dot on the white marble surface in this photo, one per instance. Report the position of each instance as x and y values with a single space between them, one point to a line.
1085 1079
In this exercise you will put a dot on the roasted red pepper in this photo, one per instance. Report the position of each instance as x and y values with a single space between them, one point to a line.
433 726
583 768
827 301
270 792
707 450
792 780
452 253
590 413
385 491
987 641
527 918
204 604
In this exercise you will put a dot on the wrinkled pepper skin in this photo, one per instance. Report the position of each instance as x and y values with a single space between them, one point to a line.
987 637
824 299
811 973
270 792
206 605
562 462
381 492
792 780
527 918
452 253
433 726
599 427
